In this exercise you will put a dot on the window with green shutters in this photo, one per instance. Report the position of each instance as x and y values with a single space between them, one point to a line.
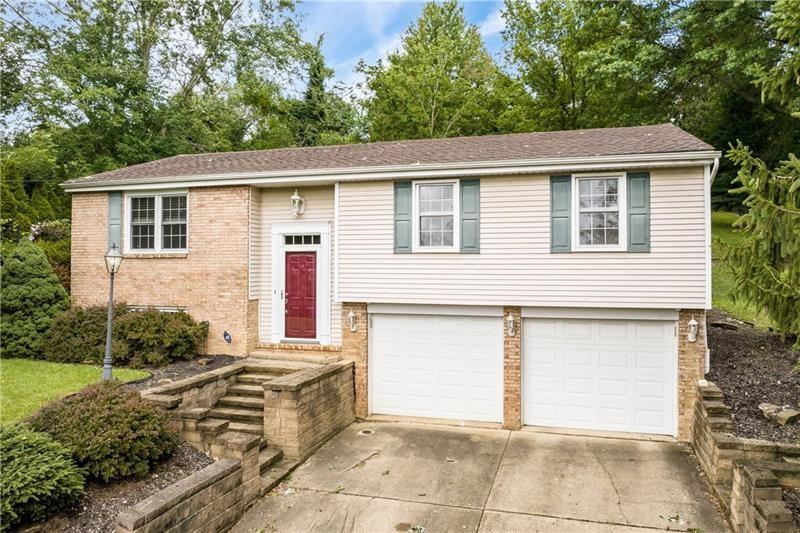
437 216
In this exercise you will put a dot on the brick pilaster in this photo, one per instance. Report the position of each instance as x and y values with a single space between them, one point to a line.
355 346
691 367
512 380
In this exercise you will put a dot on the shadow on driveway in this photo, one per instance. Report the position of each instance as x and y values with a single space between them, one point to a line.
412 477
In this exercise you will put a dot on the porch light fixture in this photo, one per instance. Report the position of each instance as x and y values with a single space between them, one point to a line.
113 262
351 319
692 336
298 204
510 325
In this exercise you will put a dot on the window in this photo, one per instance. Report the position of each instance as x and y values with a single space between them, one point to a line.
600 217
435 216
299 240
157 222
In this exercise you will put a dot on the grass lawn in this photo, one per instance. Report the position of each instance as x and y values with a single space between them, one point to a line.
722 285
26 384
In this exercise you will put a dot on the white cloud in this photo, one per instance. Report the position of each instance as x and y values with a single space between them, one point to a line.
493 24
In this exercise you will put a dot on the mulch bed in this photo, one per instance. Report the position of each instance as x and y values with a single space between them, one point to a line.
100 506
752 366
183 369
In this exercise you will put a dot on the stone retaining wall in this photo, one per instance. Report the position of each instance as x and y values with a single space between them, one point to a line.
746 474
756 496
202 390
212 499
304 409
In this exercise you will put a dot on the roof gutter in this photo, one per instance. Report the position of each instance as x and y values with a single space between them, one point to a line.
415 171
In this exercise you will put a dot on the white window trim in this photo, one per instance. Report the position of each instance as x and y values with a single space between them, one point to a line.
158 249
622 200
415 246
278 278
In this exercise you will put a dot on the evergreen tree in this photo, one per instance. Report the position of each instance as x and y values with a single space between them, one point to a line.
32 296
766 265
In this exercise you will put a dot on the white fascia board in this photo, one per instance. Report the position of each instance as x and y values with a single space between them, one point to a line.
332 175
588 313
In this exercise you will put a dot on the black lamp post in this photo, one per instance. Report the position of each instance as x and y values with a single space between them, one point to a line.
113 262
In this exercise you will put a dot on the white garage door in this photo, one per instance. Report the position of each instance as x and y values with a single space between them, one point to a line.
600 374
437 366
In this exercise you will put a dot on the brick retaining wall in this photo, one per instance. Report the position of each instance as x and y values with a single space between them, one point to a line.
756 496
304 409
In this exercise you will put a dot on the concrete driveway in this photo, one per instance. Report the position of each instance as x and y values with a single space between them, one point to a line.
410 477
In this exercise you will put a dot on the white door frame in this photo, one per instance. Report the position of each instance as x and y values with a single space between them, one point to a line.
279 249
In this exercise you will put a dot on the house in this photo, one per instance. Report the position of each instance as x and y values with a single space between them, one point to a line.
550 279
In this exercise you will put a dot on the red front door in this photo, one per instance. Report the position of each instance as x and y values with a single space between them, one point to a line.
301 295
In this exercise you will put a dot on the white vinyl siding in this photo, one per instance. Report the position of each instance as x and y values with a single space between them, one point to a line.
515 266
275 209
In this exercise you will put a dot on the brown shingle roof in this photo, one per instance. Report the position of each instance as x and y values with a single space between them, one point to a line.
661 138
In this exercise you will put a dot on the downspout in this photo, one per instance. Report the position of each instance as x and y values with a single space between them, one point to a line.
710 174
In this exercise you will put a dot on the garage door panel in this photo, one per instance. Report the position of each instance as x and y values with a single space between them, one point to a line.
450 366
600 374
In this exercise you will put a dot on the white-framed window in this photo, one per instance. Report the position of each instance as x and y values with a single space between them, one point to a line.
156 222
598 210
435 214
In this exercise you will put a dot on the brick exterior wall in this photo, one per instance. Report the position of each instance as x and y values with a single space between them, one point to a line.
512 376
691 367
355 346
210 280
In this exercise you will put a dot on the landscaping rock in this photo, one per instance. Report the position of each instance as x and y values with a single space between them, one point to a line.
724 325
781 415
202 361
163 381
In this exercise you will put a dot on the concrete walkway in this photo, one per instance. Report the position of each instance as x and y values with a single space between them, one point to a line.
411 477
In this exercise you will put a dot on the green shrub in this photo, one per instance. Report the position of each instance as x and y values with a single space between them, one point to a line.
139 337
32 296
156 338
78 335
58 255
111 431
38 476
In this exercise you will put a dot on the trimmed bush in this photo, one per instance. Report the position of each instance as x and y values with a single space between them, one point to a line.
111 431
139 337
38 476
156 338
32 296
78 335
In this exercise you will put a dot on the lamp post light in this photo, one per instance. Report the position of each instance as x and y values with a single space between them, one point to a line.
113 262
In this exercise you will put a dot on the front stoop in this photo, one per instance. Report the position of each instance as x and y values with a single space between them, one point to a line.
319 357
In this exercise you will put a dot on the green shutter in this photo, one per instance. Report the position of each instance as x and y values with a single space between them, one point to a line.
560 210
114 219
402 217
638 211
470 216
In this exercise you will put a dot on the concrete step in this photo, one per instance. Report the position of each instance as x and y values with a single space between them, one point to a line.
244 427
254 378
240 415
248 402
268 457
320 358
215 426
277 473
246 389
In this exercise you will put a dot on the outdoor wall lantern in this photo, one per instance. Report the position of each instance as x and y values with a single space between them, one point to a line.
113 262
692 337
298 204
510 325
351 319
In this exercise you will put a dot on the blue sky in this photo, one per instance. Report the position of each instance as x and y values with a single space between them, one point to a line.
369 29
